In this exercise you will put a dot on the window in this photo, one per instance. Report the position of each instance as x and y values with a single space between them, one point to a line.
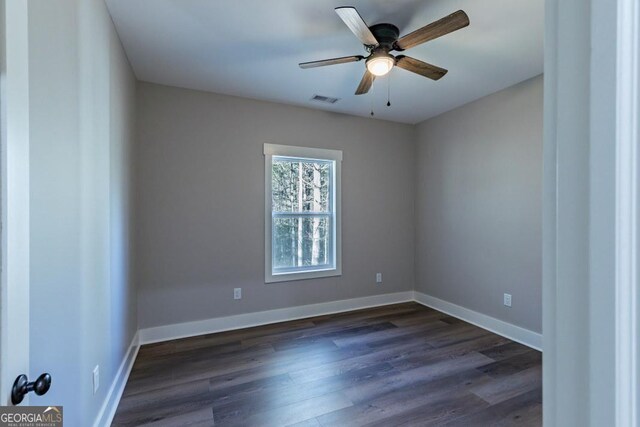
302 213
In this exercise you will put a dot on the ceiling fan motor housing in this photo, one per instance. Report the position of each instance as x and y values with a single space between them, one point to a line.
386 34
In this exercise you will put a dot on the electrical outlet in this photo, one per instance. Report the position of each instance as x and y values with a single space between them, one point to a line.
96 379
237 293
507 300
378 277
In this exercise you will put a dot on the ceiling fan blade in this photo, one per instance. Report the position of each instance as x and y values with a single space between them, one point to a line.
356 24
420 67
332 61
436 29
365 83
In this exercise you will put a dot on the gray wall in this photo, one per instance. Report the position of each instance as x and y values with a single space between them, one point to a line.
200 186
479 205
82 105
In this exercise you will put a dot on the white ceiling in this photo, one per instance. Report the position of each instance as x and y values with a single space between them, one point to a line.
251 48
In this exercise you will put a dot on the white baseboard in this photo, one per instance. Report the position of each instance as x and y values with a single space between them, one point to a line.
500 327
240 321
111 401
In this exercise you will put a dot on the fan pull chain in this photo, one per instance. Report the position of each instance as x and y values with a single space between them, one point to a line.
371 106
389 90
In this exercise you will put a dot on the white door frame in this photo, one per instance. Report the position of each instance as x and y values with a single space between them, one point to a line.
591 215
14 283
627 212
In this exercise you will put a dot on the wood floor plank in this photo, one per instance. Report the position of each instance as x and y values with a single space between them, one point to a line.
434 413
444 396
313 422
342 333
236 370
463 332
223 338
349 317
428 331
428 373
201 357
522 410
510 386
402 364
374 337
395 351
459 349
451 320
418 318
200 418
506 351
330 368
513 364
292 413
230 405
325 329
277 367
163 397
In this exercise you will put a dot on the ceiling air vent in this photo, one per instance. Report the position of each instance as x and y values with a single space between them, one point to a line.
325 99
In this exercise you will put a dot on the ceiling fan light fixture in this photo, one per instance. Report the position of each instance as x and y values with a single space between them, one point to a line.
382 38
380 64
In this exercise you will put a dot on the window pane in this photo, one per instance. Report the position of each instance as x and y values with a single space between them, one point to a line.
300 185
302 242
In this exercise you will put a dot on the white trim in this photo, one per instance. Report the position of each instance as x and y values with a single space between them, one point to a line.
112 400
248 320
303 152
549 210
627 193
14 297
500 327
335 156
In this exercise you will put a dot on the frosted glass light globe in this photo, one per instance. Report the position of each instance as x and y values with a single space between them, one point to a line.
380 64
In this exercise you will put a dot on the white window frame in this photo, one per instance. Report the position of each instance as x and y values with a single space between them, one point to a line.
271 150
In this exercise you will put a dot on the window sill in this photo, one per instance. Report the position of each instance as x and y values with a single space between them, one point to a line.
301 275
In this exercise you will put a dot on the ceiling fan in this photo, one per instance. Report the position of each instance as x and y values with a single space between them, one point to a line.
380 39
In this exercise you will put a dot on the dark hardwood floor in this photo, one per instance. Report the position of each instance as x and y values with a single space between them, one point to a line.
398 365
